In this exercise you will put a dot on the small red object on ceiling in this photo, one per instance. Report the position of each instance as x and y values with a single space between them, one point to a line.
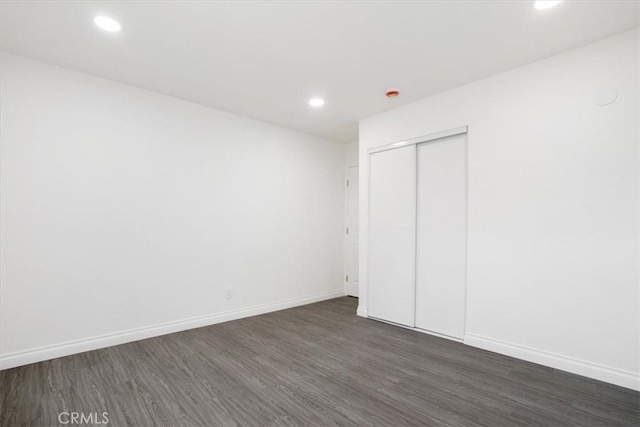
392 93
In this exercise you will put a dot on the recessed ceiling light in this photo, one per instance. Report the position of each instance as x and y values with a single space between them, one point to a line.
546 4
107 24
316 102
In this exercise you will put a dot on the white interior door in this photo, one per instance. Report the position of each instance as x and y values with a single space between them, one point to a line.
441 236
353 232
392 234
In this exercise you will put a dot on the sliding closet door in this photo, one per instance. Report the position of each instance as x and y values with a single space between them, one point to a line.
441 236
392 210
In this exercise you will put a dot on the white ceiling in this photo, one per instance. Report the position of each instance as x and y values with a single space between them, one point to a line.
264 59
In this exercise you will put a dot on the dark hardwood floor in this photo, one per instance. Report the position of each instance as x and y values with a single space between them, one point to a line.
313 365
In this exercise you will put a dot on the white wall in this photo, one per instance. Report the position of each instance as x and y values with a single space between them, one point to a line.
553 207
351 154
128 214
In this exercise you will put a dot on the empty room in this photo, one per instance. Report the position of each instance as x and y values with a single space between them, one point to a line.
319 213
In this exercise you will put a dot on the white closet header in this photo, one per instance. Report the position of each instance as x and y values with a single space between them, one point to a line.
420 139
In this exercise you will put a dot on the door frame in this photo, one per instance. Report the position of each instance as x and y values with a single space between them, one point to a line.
419 140
346 225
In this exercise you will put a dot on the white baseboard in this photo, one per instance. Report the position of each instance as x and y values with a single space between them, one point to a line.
565 363
362 312
39 354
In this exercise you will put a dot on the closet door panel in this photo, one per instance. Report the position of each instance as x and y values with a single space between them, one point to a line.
441 236
392 210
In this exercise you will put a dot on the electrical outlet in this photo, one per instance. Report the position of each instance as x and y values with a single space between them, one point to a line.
229 293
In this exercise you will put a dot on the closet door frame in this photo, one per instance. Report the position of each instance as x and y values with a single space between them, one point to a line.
419 140
415 141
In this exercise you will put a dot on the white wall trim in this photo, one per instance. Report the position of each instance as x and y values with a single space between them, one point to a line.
420 139
345 235
39 354
619 377
362 312
346 225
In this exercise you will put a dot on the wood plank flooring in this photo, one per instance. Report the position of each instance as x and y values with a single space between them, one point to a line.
317 365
